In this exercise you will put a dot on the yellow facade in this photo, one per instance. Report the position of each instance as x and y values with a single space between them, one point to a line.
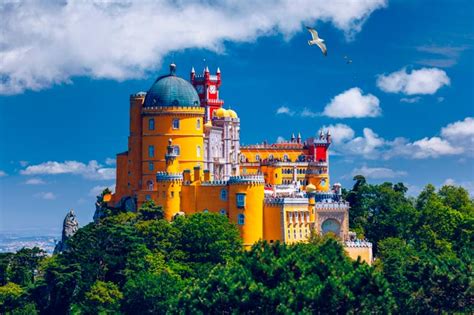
284 193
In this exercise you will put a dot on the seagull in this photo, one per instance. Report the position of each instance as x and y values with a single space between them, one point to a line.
317 41
348 61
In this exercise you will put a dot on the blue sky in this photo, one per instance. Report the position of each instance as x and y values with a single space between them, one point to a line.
401 111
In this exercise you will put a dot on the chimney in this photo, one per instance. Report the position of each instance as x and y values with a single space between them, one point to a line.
187 176
197 173
207 175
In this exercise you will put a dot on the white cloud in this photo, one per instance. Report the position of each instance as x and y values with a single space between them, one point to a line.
309 113
433 147
410 100
368 145
92 170
46 195
377 172
460 129
97 190
422 81
456 138
110 161
35 181
283 110
2 173
446 56
45 43
339 132
352 103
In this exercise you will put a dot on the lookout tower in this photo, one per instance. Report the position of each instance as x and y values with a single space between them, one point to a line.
207 86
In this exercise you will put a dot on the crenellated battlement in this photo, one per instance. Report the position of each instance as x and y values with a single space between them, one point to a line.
246 179
166 177
358 243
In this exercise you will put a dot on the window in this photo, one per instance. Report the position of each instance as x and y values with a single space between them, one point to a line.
151 166
289 234
257 157
241 219
224 194
198 151
223 212
176 123
205 211
176 150
240 200
285 158
147 197
151 151
270 157
151 124
172 194
150 185
198 124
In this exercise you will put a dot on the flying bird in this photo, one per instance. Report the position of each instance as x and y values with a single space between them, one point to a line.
317 41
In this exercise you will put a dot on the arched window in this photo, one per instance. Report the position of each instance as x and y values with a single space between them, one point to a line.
151 124
270 157
151 166
198 151
331 226
224 194
241 219
205 211
176 123
223 212
285 158
150 185
257 157
198 123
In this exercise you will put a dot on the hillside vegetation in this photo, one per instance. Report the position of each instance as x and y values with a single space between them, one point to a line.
138 263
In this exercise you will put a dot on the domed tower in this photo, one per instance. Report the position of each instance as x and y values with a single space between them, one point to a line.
171 110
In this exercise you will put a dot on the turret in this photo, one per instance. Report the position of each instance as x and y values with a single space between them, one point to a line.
299 138
218 74
192 75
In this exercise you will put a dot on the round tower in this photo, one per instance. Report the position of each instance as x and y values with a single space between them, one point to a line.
171 110
169 184
246 194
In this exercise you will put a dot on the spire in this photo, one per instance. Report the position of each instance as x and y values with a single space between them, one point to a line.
207 69
172 69
192 70
218 70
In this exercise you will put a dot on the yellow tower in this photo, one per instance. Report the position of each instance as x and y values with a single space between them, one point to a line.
169 184
246 195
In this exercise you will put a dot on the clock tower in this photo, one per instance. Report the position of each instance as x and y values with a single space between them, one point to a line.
207 86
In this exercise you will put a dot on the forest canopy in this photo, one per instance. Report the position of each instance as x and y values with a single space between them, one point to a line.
139 263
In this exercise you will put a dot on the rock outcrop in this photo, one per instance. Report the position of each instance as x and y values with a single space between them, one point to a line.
70 227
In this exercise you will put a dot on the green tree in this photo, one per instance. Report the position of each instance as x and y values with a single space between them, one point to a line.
303 278
206 239
102 298
10 297
150 211
152 293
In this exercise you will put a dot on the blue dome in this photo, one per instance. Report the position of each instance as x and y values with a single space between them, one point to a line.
170 90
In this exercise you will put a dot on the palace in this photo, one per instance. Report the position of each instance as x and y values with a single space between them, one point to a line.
184 153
